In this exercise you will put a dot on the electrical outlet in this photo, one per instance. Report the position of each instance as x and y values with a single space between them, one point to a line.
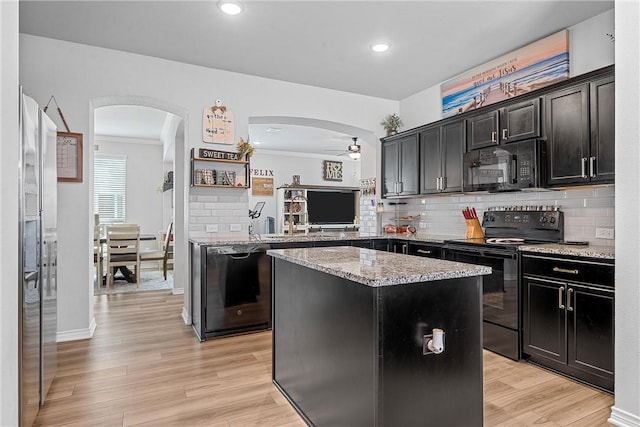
235 227
604 233
212 228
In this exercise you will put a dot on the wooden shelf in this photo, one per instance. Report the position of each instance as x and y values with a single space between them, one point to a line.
219 186
242 167
202 159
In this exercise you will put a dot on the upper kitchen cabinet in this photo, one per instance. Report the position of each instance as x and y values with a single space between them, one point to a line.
510 123
400 166
441 158
602 104
579 125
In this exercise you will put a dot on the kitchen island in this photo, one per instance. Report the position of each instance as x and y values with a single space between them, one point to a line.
351 329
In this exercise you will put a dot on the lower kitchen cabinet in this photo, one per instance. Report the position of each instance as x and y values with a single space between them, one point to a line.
568 317
425 250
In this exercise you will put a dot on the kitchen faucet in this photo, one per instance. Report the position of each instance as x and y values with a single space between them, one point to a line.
293 199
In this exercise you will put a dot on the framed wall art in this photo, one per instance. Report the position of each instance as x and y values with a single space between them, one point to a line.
69 156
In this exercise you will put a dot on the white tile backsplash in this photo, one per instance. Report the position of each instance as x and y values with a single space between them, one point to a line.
584 208
220 206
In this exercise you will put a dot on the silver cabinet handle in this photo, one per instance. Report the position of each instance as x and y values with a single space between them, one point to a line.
438 184
494 136
401 186
443 185
504 134
584 167
569 292
424 251
565 270
560 292
592 167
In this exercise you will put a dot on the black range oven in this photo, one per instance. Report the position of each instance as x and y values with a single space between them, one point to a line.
505 230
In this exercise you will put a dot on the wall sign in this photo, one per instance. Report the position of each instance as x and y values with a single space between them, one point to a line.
217 124
261 172
69 156
218 155
262 186
531 67
331 171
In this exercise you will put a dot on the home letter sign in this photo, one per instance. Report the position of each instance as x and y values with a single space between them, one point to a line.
332 171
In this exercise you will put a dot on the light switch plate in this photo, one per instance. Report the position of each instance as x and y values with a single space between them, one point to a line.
212 228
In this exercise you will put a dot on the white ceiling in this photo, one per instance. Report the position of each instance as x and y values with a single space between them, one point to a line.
130 121
319 43
300 139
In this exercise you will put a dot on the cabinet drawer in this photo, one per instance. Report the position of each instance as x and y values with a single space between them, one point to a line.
569 270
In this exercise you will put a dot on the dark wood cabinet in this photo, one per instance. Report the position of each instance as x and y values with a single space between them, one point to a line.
602 104
400 166
567 132
580 131
441 150
568 317
514 122
520 121
482 130
425 250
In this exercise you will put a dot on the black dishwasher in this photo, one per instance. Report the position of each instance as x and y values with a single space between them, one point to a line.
231 289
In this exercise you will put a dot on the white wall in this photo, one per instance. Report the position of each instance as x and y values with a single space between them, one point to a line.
285 165
78 74
8 213
589 49
626 411
145 174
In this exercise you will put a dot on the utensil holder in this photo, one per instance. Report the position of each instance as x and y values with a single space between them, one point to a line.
474 230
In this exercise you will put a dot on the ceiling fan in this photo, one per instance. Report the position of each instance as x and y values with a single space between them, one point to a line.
353 150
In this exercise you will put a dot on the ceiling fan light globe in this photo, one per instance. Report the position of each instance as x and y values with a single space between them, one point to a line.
355 155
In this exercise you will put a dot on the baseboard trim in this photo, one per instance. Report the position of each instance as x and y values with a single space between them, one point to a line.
77 334
185 316
623 418
177 291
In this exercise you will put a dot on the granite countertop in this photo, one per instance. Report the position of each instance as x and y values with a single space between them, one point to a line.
319 237
377 268
601 252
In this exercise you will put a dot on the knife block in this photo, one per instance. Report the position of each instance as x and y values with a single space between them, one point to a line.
474 229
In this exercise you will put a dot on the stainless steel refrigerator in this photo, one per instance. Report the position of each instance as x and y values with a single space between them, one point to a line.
37 257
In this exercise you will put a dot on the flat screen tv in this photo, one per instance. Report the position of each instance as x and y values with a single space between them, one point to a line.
331 207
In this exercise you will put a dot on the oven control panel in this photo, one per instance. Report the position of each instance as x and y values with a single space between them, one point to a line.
521 220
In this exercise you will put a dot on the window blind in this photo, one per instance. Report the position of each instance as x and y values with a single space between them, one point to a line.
110 187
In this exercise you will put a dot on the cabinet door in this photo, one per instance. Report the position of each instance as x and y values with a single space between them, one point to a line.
451 154
520 121
409 165
544 319
430 160
482 130
390 168
567 131
591 327
602 159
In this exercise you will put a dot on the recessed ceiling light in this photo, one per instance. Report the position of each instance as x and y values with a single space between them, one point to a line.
230 7
380 46
257 142
273 130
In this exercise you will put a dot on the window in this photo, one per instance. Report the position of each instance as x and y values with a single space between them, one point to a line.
110 187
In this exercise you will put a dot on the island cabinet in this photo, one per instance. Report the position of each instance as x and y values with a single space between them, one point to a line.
351 331
400 163
441 150
513 122
568 317
580 132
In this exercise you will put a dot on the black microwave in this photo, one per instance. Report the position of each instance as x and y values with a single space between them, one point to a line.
509 167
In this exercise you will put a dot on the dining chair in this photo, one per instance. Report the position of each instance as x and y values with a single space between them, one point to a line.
165 254
97 254
123 249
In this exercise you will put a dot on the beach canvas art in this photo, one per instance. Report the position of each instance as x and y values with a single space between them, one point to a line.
531 67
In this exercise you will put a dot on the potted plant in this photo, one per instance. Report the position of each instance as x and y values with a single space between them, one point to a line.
391 123
244 148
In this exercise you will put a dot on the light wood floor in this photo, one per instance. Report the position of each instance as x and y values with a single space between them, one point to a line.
145 367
